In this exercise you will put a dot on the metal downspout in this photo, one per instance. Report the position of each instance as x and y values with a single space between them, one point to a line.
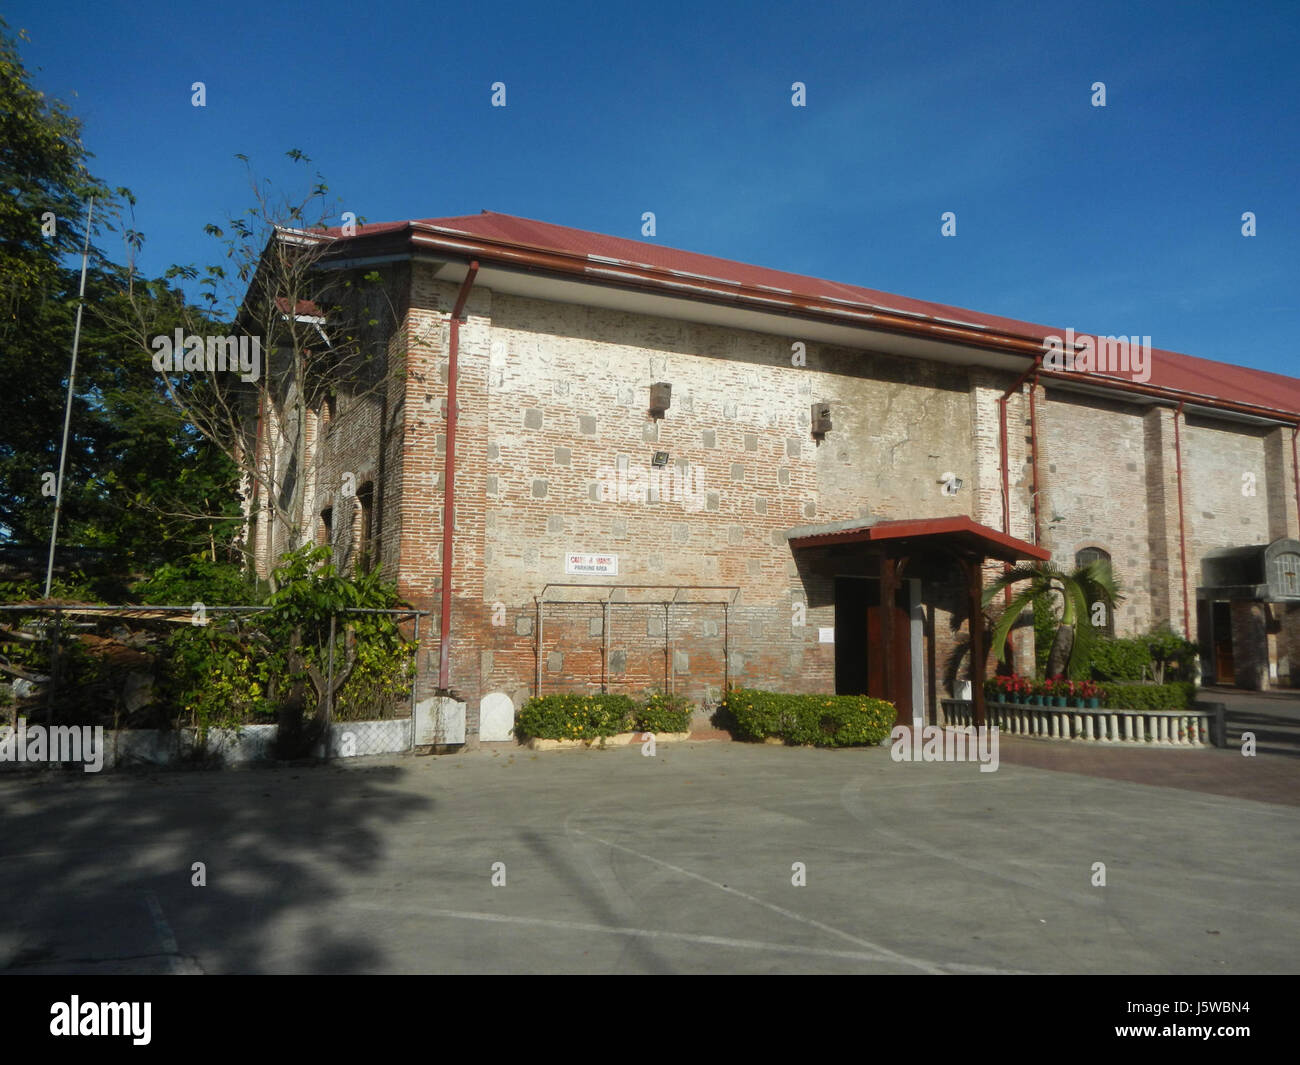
1182 529
449 481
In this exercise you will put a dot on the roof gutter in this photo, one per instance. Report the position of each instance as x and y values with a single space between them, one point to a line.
695 286
449 480
1170 395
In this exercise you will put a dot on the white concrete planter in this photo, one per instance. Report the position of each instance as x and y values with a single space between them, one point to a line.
235 746
621 739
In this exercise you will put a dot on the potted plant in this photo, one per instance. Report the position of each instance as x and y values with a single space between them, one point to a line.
1090 694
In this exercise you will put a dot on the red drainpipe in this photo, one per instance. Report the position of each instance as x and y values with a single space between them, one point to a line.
449 479
1033 455
1182 528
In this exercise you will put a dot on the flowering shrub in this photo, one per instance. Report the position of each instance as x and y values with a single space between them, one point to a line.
660 712
572 716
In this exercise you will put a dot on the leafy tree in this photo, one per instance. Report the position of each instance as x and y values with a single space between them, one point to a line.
309 593
1073 593
138 482
274 665
44 178
318 336
198 579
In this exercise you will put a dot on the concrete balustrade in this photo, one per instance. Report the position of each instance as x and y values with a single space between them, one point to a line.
1196 727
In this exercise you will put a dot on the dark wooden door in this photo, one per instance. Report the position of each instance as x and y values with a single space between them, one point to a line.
899 691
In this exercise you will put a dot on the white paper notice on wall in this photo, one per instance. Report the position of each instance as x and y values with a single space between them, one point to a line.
826 635
592 565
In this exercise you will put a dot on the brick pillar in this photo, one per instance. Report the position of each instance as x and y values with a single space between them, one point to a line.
472 631
1279 483
1288 643
423 482
1250 645
987 388
1166 580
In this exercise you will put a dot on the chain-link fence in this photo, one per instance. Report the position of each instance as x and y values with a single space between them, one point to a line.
205 683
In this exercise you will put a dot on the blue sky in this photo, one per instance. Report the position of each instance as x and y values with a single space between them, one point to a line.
1124 219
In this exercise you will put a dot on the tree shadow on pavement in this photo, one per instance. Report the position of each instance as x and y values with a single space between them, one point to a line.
97 871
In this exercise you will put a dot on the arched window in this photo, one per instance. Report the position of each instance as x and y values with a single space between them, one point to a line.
368 529
1083 558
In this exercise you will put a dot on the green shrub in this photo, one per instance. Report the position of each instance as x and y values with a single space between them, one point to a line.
1177 695
249 669
570 716
1120 659
197 579
659 712
1159 654
218 675
1171 655
822 720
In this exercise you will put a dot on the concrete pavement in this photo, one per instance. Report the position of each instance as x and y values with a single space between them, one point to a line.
618 863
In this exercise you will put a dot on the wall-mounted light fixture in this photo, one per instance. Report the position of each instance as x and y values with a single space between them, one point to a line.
661 398
951 483
660 458
821 419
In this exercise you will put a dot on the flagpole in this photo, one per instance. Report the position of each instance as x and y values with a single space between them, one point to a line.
67 412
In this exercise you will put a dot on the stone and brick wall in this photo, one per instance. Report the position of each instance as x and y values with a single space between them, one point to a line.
553 418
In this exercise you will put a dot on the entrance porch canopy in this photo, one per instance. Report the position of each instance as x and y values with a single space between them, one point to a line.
957 535
894 542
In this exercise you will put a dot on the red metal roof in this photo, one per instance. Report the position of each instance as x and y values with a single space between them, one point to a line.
1168 370
976 538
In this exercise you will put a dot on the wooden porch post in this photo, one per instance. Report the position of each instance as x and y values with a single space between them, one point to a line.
888 584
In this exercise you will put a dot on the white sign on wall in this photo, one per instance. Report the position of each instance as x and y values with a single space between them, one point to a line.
825 635
591 565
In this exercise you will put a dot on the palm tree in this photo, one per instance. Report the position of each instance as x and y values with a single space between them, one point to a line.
1079 590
